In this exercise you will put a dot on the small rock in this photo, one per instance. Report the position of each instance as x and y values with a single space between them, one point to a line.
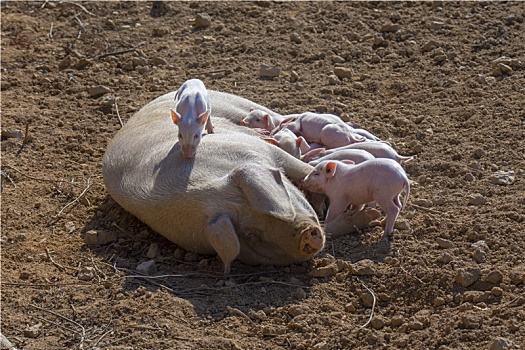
430 45
470 321
439 301
100 237
342 72
436 25
478 153
300 293
179 254
349 307
377 323
390 28
416 325
440 58
321 346
401 225
97 91
500 344
445 258
12 134
467 276
516 277
337 59
86 274
153 251
364 267
158 61
476 199
480 251
426 203
147 268
296 310
202 20
269 72
397 320
444 243
503 177
494 277
204 263
496 291
294 76
296 38
333 80
70 227
324 271
33 331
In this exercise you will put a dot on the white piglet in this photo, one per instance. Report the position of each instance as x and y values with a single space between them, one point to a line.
191 115
347 184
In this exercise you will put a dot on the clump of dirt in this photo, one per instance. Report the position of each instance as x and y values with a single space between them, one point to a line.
443 81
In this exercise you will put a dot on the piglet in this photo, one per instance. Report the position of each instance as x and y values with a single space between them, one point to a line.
347 184
326 129
377 149
289 142
191 114
355 155
261 119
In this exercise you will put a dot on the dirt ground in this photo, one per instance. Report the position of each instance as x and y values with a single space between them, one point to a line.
443 81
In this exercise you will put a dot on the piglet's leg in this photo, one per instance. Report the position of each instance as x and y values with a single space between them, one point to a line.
223 239
209 127
336 208
392 210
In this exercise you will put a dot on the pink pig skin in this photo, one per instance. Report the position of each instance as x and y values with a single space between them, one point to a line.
327 129
380 180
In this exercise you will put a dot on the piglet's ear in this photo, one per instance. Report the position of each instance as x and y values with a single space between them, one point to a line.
272 141
203 118
330 168
302 144
175 117
348 161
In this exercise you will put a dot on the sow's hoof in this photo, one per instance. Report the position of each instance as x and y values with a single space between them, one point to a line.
346 224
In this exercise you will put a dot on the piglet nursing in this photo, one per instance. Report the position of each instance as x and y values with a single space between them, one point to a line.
347 184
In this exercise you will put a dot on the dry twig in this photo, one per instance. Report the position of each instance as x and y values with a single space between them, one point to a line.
83 330
118 114
60 267
373 304
74 200
74 4
238 312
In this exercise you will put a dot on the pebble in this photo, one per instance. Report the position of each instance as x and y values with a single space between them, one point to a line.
416 325
158 61
503 177
99 237
300 293
98 90
202 20
500 344
33 331
436 25
296 310
70 227
337 59
377 323
496 291
402 225
321 346
333 80
147 268
444 243
153 251
364 267
467 276
397 320
439 301
494 277
324 271
480 251
269 72
470 321
426 203
478 153
296 38
389 28
476 199
179 253
12 134
445 258
86 274
342 72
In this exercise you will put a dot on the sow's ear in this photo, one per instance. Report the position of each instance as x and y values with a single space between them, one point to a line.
264 189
